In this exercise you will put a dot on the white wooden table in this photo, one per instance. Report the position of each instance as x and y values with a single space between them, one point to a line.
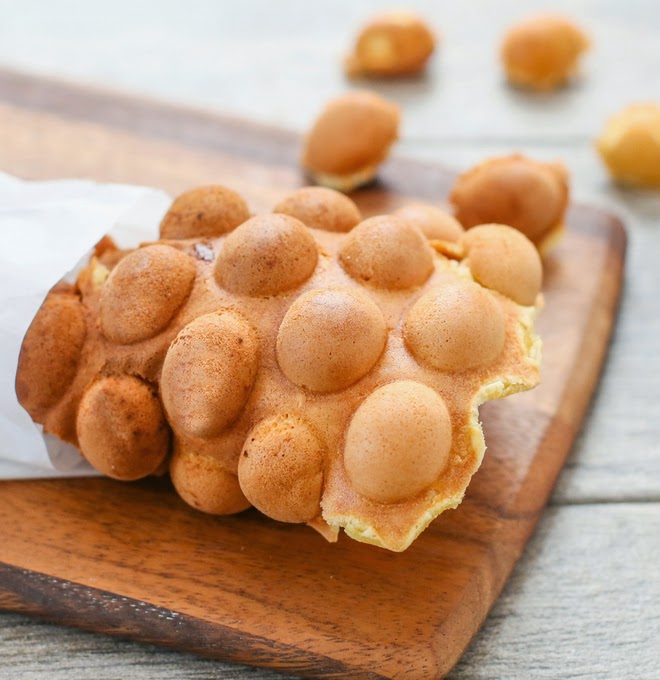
584 601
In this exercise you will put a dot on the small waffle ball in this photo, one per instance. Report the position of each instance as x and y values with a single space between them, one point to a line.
49 357
394 43
350 139
204 212
542 52
455 328
387 252
398 442
266 255
320 208
208 373
630 145
122 429
281 469
205 484
505 260
144 292
523 193
330 338
434 223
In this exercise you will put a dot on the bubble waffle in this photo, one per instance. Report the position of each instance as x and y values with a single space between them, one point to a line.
324 378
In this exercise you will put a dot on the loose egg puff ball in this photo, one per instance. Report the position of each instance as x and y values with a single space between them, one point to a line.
349 140
630 145
542 52
319 366
517 191
394 43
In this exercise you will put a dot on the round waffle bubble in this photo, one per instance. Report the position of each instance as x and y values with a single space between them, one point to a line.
328 375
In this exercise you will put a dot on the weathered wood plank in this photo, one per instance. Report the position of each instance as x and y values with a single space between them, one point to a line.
584 602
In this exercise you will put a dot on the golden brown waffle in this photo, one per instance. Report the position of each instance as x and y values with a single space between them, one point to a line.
324 377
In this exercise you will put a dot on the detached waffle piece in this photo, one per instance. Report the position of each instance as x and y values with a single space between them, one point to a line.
523 193
349 140
393 43
323 377
630 145
542 52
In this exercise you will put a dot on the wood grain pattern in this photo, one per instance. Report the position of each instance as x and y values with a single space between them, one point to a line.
133 560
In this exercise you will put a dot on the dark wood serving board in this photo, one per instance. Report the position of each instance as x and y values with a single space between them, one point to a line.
133 560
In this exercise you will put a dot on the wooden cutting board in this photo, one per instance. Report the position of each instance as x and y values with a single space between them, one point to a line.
133 560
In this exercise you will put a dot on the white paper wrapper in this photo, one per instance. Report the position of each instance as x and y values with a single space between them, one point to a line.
48 230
